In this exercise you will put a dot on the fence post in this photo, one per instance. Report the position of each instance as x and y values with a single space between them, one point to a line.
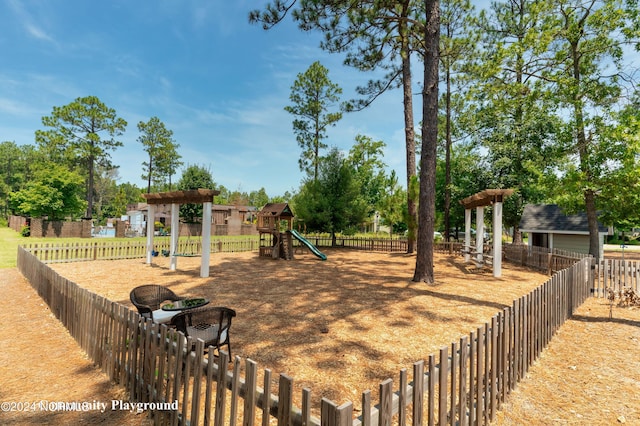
285 398
571 289
442 386
332 415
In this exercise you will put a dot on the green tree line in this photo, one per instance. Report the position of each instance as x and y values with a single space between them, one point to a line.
536 95
68 172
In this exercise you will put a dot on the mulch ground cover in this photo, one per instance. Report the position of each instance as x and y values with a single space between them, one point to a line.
338 327
41 365
342 326
588 375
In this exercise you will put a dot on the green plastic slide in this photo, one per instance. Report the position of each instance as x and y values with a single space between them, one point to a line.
310 246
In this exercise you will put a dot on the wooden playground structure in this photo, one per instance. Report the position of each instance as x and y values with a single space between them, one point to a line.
275 220
274 225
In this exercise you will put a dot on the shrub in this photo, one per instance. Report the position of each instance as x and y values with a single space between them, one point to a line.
626 297
25 231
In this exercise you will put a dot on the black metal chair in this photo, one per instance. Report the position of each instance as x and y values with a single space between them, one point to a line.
147 298
209 323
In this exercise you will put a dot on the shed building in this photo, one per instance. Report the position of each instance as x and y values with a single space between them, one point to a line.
549 227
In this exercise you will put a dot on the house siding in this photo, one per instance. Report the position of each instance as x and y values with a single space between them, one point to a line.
572 243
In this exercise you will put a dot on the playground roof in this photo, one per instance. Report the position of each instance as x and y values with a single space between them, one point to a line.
276 209
485 198
194 196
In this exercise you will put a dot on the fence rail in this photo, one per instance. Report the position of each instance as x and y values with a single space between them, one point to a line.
389 245
540 258
464 383
111 250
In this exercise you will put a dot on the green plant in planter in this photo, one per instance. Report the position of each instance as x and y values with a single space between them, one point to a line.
193 302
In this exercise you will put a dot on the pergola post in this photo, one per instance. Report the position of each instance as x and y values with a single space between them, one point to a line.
479 235
175 235
467 235
151 220
206 238
497 238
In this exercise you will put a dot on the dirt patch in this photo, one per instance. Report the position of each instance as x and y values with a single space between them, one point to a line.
626 254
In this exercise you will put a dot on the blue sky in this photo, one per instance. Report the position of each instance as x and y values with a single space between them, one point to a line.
218 82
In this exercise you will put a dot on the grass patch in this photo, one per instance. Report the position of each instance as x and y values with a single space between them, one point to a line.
10 240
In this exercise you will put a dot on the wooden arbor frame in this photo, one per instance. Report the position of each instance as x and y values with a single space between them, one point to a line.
479 201
175 198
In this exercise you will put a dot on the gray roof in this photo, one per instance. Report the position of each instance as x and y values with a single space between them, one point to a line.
550 218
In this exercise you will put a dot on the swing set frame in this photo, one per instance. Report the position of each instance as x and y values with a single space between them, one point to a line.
175 198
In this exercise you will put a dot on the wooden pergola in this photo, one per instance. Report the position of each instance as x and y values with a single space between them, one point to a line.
479 201
175 198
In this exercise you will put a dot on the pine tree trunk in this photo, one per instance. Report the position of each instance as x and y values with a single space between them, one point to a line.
426 208
583 153
89 214
410 137
517 235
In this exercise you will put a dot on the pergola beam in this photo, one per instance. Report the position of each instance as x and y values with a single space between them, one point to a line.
486 198
193 196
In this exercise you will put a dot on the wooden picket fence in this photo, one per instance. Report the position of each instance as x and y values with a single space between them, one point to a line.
389 245
540 258
56 252
465 383
617 275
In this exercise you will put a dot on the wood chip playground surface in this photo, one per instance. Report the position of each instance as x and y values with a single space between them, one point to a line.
41 365
338 327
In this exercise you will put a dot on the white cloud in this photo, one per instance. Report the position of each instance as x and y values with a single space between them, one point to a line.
28 22
38 32
15 108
